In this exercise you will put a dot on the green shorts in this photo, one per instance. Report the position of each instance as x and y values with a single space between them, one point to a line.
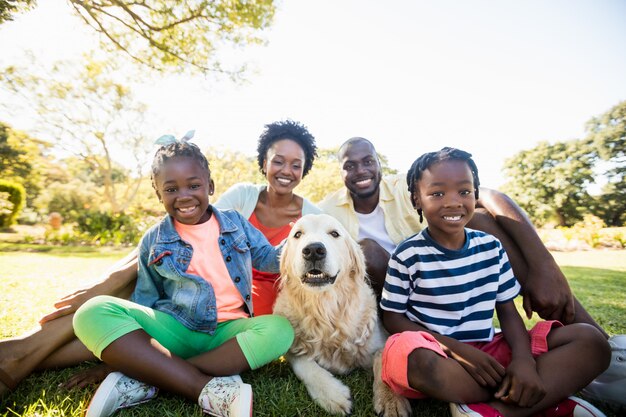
104 319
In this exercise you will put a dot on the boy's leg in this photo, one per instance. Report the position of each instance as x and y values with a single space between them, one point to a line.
577 354
415 366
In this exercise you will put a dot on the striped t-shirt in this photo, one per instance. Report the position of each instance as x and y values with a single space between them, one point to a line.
451 292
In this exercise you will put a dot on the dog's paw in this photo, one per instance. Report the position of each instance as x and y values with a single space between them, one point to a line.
332 396
386 402
390 404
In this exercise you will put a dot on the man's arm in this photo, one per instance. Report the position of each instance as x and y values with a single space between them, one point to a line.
544 287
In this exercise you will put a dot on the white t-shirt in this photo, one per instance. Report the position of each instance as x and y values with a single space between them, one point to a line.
372 226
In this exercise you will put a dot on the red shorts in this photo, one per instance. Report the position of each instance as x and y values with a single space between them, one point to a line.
400 345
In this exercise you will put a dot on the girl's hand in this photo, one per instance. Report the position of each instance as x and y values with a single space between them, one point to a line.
522 385
485 370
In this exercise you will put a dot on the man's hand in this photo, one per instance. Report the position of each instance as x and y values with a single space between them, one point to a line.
547 292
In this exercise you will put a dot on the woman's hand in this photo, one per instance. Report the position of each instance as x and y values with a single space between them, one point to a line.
87 377
521 385
485 370
119 282
69 304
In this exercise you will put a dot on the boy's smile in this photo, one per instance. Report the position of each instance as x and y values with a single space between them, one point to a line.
183 186
445 193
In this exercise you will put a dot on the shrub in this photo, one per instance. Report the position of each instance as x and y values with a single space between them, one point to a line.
108 228
12 197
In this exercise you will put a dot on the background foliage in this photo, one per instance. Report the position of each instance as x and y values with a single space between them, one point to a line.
552 181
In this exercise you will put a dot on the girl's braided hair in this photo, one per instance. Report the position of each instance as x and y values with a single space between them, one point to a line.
177 149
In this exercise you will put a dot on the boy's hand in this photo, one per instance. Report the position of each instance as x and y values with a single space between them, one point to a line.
483 368
521 384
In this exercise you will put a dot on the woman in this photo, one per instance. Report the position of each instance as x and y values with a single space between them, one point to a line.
285 154
286 151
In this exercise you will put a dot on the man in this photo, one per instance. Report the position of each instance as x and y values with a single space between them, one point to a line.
378 213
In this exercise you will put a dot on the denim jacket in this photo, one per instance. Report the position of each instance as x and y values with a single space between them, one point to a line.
164 284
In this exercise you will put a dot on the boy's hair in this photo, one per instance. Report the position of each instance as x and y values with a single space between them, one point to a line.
428 159
176 150
287 129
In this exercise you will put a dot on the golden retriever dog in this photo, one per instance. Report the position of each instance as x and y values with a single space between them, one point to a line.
326 297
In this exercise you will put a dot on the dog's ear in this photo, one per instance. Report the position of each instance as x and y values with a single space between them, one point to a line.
357 259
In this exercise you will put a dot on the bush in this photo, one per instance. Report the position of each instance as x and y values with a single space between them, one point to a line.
12 197
108 228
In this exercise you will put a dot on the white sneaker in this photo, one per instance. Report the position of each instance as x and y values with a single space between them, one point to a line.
226 396
571 407
610 386
119 391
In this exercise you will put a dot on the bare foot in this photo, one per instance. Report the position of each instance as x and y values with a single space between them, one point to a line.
87 377
10 364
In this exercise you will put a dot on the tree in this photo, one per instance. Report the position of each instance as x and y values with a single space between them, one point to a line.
607 136
85 112
229 167
550 181
10 7
170 35
22 160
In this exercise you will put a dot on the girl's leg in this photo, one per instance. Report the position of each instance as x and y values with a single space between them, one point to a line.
257 341
577 354
139 356
150 345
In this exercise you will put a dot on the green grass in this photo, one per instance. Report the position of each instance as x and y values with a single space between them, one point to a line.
33 277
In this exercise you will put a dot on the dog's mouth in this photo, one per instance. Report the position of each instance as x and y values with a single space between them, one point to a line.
318 278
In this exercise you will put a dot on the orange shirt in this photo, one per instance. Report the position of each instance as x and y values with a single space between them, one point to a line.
207 262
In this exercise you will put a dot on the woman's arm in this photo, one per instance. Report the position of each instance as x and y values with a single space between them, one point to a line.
544 287
116 281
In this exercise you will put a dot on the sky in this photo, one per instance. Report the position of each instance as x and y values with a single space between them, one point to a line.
489 77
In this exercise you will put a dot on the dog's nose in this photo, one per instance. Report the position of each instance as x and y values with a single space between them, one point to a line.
314 252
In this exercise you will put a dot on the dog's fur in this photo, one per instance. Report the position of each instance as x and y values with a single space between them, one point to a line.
326 297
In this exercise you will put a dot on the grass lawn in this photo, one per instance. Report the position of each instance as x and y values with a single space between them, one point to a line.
32 280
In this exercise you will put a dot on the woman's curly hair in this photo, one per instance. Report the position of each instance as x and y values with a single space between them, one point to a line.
287 129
